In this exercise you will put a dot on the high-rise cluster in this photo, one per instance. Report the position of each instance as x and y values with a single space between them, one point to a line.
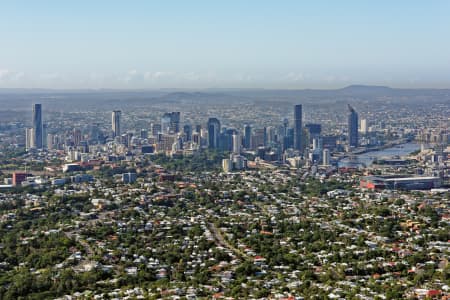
277 142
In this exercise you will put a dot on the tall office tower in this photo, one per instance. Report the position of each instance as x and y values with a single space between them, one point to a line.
128 139
84 146
95 133
247 136
175 122
155 129
198 128
165 123
226 139
116 122
265 136
298 127
196 138
285 126
270 135
288 141
50 138
313 130
237 143
37 126
29 136
363 126
326 157
144 133
352 127
170 122
258 138
44 135
213 133
187 129
315 144
76 136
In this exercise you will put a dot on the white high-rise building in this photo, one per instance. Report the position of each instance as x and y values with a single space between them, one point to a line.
50 141
270 135
317 143
237 143
326 157
227 165
29 138
363 126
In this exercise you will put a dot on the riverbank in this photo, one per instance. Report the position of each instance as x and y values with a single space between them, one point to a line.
367 158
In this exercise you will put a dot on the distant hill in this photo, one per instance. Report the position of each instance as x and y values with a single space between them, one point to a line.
21 99
365 89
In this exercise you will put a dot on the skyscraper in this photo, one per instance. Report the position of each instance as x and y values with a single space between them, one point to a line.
237 143
271 137
165 123
77 136
363 126
187 129
247 136
155 129
37 126
144 133
213 133
170 122
116 122
285 126
314 131
44 135
298 127
352 127
175 122
326 157
29 138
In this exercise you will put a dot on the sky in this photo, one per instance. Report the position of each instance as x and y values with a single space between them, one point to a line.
224 44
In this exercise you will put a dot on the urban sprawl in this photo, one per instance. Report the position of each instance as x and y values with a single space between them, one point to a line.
245 201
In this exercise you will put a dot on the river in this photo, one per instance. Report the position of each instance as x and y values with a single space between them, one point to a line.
368 158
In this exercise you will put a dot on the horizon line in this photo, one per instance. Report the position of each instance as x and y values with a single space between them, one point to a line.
221 88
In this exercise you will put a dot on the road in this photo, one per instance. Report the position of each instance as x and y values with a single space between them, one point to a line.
87 247
220 240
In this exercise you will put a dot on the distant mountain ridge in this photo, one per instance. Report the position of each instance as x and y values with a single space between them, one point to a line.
22 98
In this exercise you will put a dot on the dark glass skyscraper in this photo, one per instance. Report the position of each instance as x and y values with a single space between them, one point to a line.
298 127
187 129
247 136
213 133
285 126
352 127
37 126
116 122
175 122
314 131
170 122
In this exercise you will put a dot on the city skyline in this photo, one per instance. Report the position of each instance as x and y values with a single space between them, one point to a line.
224 149
168 194
233 45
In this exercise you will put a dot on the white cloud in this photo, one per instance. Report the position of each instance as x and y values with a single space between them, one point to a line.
294 76
51 76
10 76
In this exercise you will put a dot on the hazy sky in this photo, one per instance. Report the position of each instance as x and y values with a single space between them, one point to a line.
245 43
